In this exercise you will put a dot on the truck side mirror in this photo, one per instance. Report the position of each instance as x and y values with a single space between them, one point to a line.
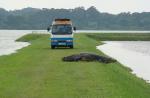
48 29
74 28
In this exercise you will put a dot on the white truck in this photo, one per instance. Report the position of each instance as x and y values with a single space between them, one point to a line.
61 33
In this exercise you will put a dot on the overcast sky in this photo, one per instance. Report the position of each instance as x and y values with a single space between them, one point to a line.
111 6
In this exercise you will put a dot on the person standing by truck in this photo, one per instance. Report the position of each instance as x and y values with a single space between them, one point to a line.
61 33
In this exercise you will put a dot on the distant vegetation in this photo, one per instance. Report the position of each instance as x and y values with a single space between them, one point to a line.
91 18
120 36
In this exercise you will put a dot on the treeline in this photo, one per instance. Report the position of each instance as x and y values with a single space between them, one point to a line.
91 18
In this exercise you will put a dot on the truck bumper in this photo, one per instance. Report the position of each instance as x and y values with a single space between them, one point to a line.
61 42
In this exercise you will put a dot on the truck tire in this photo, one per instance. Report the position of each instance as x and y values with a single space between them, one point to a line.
52 47
71 46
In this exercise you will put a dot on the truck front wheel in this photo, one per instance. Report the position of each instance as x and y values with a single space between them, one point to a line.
71 46
52 47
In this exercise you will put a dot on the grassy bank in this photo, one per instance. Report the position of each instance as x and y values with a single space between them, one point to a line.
38 72
120 36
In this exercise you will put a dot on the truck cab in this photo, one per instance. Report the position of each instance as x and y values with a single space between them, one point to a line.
61 33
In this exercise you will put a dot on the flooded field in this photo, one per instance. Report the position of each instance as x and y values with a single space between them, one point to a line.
133 54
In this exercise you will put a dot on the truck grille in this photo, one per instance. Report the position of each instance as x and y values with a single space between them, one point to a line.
61 41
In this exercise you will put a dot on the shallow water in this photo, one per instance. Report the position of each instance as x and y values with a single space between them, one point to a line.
7 41
133 54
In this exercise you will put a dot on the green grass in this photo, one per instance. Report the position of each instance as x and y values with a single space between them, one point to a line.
120 36
38 72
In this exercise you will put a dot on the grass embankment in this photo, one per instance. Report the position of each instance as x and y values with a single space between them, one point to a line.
120 36
38 72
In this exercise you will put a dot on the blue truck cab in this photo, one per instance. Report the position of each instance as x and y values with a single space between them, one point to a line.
61 33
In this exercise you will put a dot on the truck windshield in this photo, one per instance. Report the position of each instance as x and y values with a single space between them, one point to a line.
62 29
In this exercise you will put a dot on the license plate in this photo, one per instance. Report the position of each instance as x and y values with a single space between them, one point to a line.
61 43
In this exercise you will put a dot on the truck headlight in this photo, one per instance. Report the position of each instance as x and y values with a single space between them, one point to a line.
54 41
69 40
